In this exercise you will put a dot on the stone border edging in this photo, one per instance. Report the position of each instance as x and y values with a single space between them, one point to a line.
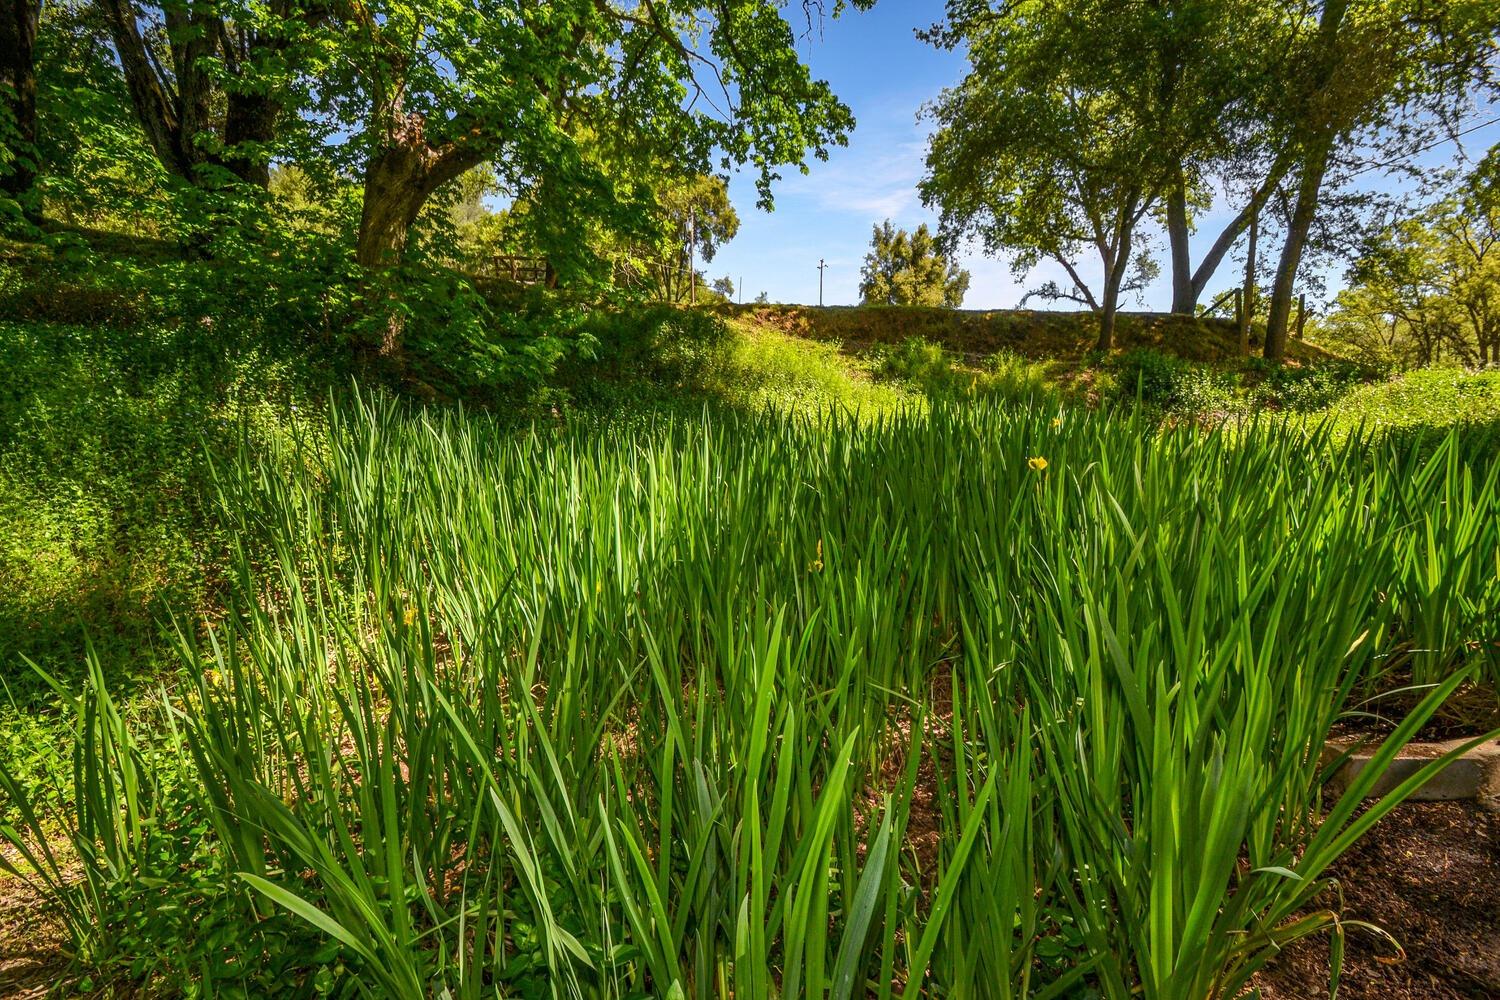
1473 776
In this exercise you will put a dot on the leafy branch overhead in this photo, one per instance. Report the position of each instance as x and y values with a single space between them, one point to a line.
584 110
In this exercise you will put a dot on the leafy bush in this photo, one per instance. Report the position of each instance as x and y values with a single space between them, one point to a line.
1148 376
1172 385
666 347
915 360
1010 377
1307 387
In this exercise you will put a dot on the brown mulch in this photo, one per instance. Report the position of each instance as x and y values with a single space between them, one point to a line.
1429 874
1472 710
31 957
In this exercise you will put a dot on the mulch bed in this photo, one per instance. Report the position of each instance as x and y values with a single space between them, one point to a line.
31 960
1472 710
1429 874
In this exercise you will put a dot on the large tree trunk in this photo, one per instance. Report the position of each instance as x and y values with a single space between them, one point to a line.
249 128
399 180
394 194
175 109
1309 185
1109 301
1184 294
1317 152
163 119
1107 314
1188 284
18 27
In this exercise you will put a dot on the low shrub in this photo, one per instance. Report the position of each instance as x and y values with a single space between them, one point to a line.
1307 387
915 360
1011 377
669 346
1171 385
1428 397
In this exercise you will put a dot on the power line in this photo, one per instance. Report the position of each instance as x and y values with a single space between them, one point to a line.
1430 146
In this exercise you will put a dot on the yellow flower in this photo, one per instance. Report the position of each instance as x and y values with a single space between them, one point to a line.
1057 421
816 566
212 676
409 616
1037 464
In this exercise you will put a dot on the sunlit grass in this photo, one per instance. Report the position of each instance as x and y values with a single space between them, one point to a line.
965 700
1430 397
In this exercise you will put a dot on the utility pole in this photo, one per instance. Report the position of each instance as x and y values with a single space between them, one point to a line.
692 241
821 268
741 297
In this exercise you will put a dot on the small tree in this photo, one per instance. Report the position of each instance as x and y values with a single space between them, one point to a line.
907 269
1048 148
699 218
725 287
1428 287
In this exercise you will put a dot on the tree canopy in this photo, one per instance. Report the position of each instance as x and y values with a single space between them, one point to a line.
1047 146
600 123
908 269
1079 121
1427 288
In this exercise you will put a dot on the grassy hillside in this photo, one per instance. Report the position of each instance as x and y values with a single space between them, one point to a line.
1030 333
1430 397
1174 364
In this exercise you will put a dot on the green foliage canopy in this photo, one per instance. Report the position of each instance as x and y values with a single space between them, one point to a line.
1427 288
1049 144
908 269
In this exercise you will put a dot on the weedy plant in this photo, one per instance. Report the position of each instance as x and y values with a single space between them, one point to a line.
973 701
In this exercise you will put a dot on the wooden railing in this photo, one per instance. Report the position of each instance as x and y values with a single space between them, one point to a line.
521 269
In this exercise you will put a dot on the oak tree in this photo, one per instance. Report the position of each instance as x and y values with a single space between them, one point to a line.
210 80
567 101
1381 73
1046 148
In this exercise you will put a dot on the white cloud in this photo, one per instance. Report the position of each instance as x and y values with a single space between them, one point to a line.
860 182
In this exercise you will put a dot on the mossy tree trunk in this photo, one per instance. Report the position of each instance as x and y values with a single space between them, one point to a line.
18 28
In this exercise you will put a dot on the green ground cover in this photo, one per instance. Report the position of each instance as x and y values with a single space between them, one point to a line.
748 697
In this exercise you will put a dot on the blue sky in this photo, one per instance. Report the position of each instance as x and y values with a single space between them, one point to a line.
884 74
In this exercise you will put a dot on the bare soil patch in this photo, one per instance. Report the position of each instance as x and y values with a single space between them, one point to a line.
31 955
1429 874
